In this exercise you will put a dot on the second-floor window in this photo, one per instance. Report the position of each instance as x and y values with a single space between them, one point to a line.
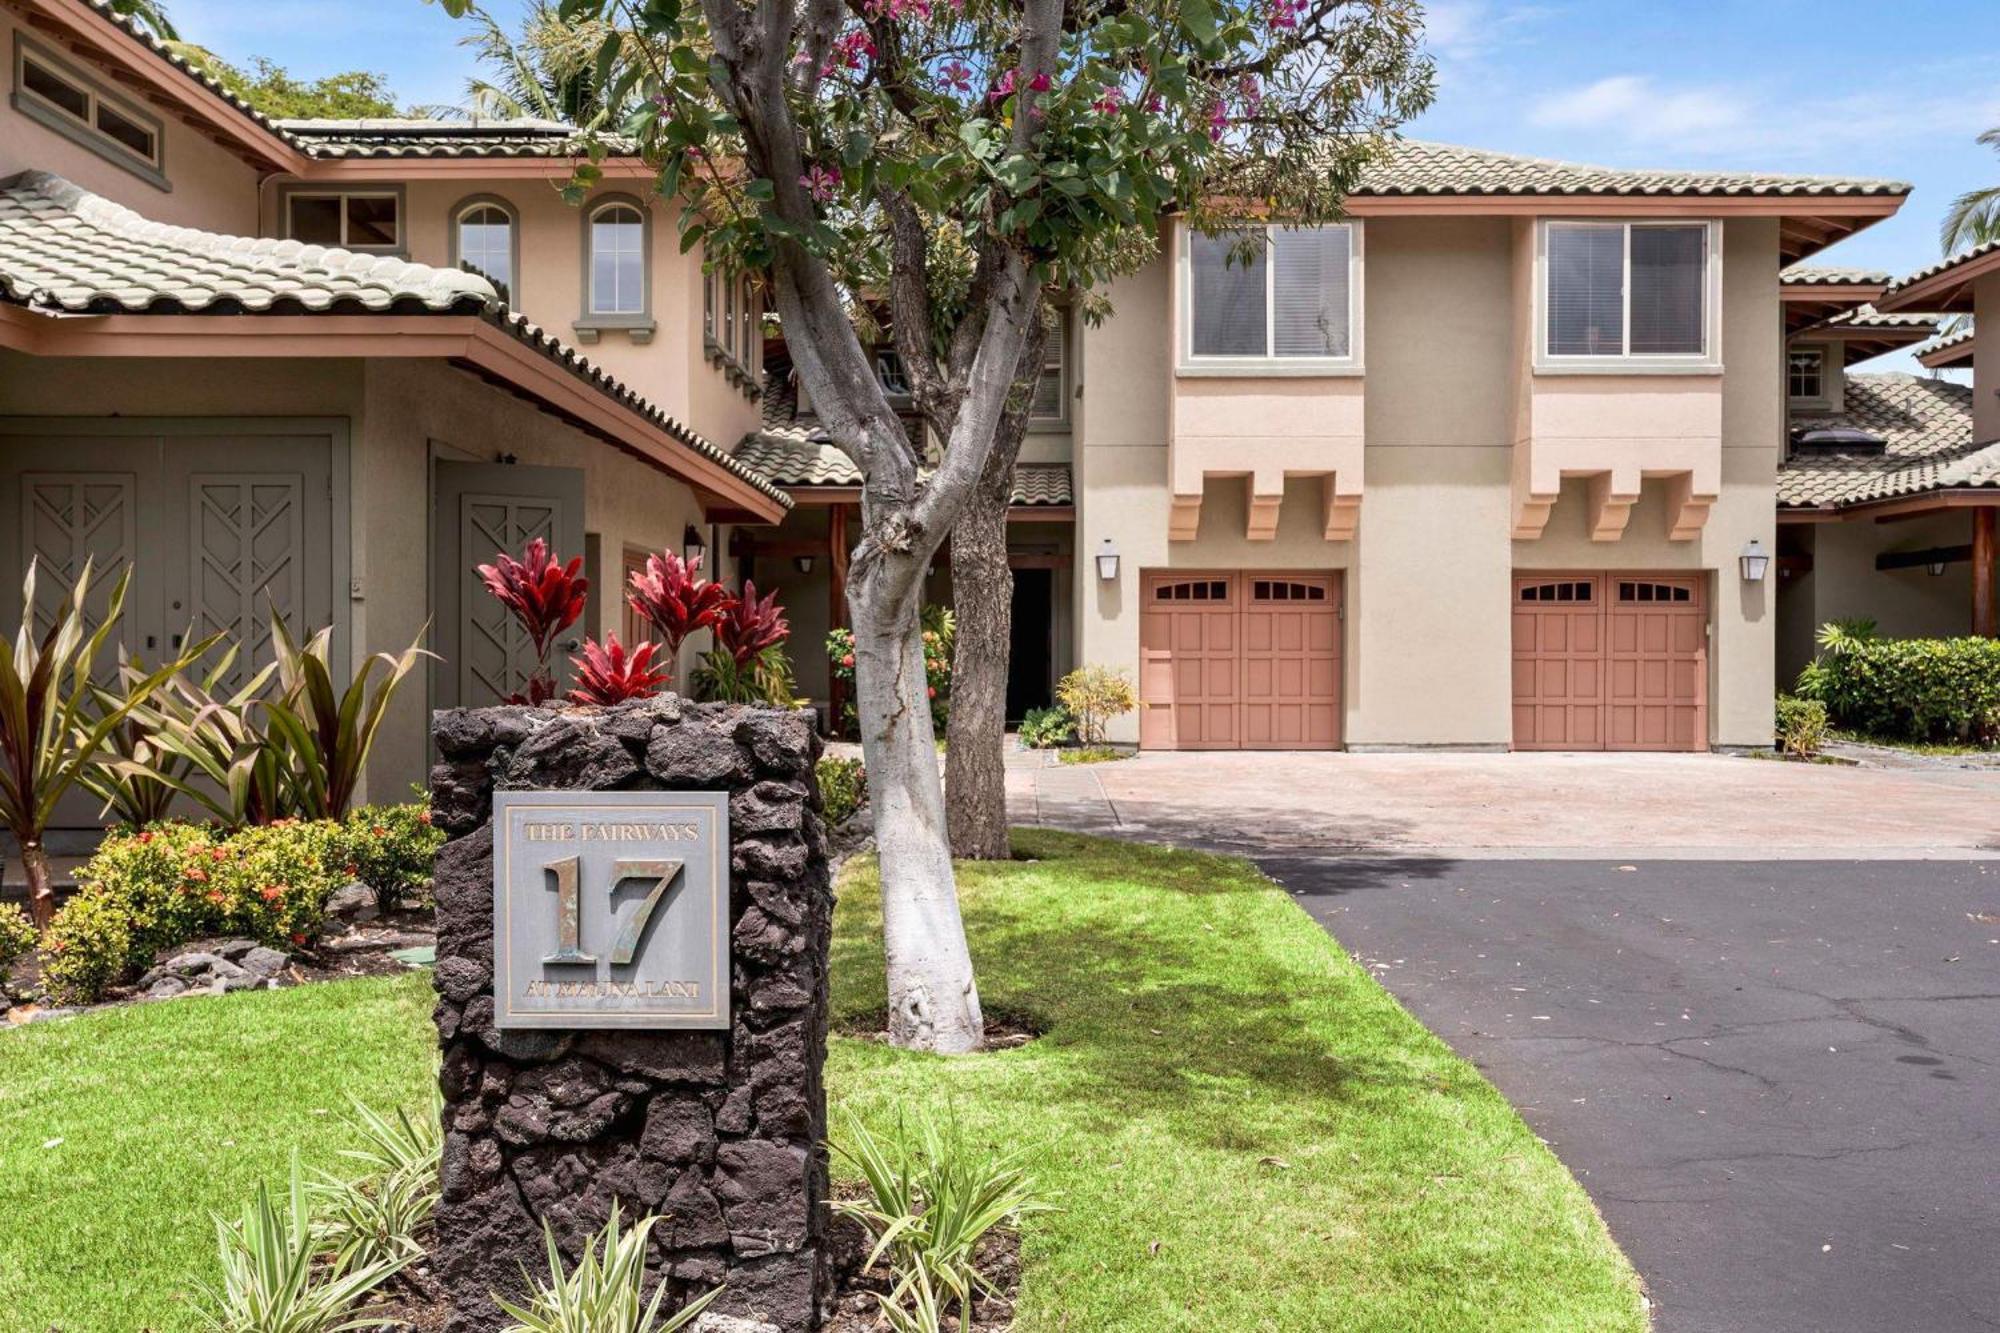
617 260
485 238
359 221
58 95
1051 402
1805 374
1627 289
1286 297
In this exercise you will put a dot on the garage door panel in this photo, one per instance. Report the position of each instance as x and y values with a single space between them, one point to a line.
1609 661
1241 660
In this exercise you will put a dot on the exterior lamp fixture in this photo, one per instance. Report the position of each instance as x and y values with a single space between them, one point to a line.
1107 561
692 547
1935 569
804 563
1754 561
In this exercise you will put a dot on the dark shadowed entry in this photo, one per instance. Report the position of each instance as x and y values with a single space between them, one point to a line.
1031 648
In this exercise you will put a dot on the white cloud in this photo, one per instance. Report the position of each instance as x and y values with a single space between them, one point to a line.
1639 108
1463 30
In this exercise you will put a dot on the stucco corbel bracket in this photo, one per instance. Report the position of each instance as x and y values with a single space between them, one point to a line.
1687 508
1184 517
1267 497
1343 508
1612 496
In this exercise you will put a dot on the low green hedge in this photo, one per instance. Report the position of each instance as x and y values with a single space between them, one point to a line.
158 887
1918 689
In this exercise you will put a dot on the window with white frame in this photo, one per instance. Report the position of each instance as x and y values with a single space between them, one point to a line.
708 281
1051 401
617 260
1627 289
368 221
61 97
1805 374
747 337
485 241
1284 295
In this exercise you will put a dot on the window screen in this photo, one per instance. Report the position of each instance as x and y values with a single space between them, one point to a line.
617 261
1049 389
316 219
371 220
1805 374
1309 291
1667 287
54 89
1228 298
486 243
1586 302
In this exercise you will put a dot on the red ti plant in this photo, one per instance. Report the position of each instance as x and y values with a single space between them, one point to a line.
607 674
670 595
748 626
546 597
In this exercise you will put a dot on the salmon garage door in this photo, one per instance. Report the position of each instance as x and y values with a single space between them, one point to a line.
1239 661
1610 662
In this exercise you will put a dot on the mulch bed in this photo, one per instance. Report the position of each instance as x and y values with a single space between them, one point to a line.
1006 1029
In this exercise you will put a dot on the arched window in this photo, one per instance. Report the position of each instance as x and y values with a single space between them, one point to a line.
483 239
617 260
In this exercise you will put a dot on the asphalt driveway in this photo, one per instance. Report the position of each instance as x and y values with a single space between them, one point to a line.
1780 1081
1778 1076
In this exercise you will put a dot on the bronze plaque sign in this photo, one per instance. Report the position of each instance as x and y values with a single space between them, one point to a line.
611 909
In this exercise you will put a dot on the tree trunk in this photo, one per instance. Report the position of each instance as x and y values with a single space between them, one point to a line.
41 883
982 597
982 594
933 999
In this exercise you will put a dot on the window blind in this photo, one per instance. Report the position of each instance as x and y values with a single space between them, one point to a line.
1309 292
1048 403
1667 287
1228 297
1586 299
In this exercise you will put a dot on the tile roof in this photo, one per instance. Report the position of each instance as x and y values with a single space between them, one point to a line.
63 248
792 450
420 138
66 251
1820 275
1868 317
1950 342
1960 260
1927 426
1418 167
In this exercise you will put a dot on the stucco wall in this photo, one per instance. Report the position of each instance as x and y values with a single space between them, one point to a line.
1844 583
415 411
1986 360
548 288
1428 630
212 187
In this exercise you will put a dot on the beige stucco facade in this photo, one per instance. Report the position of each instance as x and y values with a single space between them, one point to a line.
1447 410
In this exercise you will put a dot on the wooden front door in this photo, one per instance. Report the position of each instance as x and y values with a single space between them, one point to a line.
1237 660
1610 661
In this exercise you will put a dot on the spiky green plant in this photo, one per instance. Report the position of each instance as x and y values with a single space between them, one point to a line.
51 721
932 1197
384 1213
218 751
276 1279
135 774
603 1293
327 734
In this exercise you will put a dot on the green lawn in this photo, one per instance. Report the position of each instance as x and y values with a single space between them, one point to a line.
1242 1130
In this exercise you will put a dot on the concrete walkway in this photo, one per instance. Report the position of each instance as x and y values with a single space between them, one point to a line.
1520 805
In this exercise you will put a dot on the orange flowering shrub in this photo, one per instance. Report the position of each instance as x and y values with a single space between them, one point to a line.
166 884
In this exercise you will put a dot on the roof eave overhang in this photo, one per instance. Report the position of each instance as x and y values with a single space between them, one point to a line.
1956 357
498 167
1807 223
93 36
1946 292
467 341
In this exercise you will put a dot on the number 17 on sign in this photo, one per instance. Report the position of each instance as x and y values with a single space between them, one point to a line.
569 904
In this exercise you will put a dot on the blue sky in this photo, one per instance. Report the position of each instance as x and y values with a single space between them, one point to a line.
1834 86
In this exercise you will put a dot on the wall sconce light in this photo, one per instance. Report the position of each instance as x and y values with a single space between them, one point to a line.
1107 561
1935 569
1754 561
692 546
804 563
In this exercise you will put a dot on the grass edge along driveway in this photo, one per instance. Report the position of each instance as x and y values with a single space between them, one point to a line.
1243 1131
